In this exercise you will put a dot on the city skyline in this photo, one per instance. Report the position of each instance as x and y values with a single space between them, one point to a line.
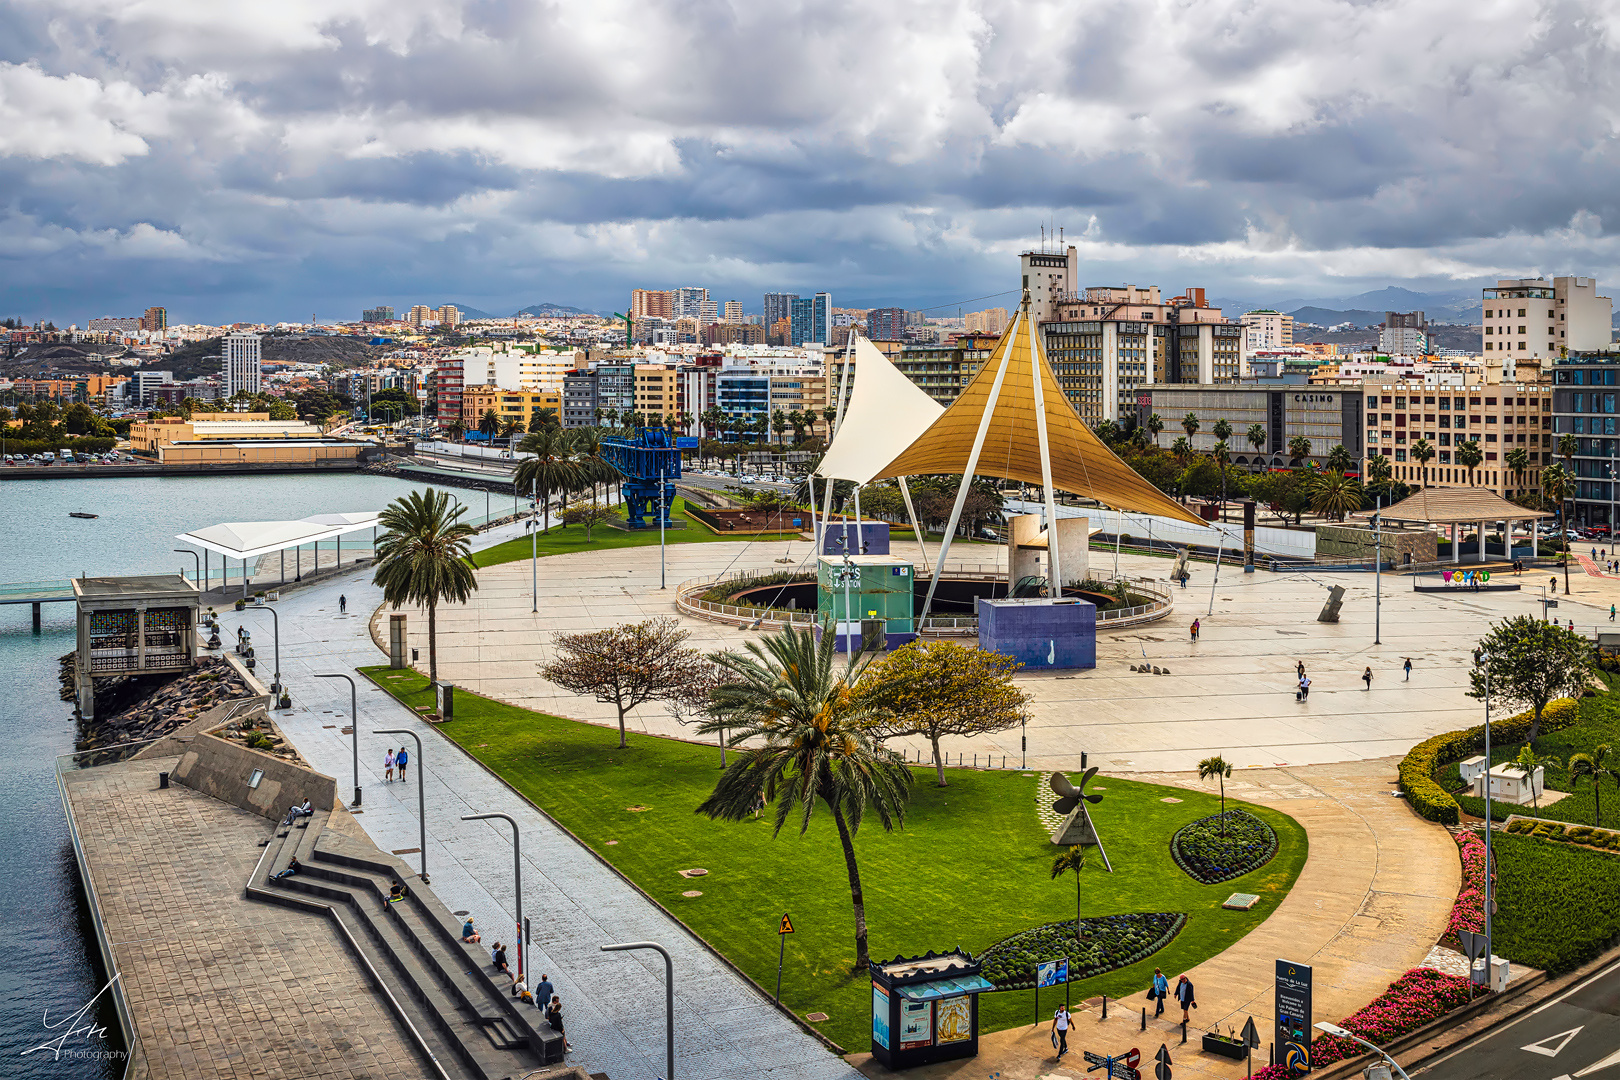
346 156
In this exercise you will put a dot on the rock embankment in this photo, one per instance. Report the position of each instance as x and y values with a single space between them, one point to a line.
172 705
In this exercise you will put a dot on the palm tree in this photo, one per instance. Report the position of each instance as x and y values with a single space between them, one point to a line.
1338 459
1567 445
456 429
542 419
510 426
1190 425
829 414
612 417
1377 472
1558 482
1222 430
552 468
812 744
593 467
1335 494
489 423
1517 462
779 424
1217 766
1072 859
1181 448
1469 455
1106 430
1529 761
1256 436
423 558
1594 764
1299 448
1220 455
1423 453
1155 424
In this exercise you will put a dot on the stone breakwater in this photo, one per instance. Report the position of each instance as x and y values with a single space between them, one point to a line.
171 705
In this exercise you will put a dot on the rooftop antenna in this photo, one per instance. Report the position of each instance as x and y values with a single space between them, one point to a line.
1043 238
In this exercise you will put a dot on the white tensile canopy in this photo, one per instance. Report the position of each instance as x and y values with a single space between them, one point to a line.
885 414
250 539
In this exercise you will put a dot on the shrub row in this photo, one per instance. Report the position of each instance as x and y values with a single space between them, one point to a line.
1432 801
1558 905
83 444
1468 913
1113 942
1606 839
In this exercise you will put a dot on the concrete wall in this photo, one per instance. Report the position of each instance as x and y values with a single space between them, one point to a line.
1041 634
1400 546
222 769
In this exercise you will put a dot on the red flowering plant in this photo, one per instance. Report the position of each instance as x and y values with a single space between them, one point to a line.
1468 913
1417 998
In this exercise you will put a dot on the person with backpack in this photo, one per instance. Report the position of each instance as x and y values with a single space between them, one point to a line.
1060 1030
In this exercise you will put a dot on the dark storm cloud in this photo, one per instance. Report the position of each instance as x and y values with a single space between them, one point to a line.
320 155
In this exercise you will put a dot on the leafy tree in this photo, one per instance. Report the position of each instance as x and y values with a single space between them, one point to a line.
942 688
1528 762
1423 453
1530 664
1299 447
1335 494
1518 461
423 558
551 469
1256 436
1220 768
408 405
1072 859
1107 431
1339 460
779 424
78 419
1594 764
489 423
1469 456
588 514
626 666
813 743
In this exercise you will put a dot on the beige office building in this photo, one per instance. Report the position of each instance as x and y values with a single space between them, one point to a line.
1267 330
1530 322
1501 417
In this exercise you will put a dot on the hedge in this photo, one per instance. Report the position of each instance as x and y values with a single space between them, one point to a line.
1431 800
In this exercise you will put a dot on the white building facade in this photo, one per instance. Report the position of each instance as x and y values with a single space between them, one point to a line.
241 364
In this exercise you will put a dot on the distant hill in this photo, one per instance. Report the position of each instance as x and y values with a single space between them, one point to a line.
548 310
198 358
1330 317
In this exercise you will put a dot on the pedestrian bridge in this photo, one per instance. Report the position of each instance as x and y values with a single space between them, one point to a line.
37 592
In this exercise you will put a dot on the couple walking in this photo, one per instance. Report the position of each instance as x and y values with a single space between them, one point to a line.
1061 1021
396 760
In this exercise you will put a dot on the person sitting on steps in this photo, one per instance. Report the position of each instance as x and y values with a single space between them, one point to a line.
293 867
397 892
468 934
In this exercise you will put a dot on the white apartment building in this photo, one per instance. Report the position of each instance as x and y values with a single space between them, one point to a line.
1532 320
1266 329
240 366
1051 278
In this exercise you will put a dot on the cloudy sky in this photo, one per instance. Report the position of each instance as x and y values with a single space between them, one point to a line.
235 160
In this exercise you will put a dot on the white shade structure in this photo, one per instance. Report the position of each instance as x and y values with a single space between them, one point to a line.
246 540
885 414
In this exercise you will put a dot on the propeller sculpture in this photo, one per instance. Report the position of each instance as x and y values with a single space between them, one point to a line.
1076 827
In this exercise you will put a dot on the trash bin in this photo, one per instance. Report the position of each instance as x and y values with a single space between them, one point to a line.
163 779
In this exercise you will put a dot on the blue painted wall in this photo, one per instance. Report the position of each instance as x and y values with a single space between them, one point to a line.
1045 636
874 534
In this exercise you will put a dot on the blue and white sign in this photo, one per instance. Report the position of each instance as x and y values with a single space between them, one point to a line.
1052 973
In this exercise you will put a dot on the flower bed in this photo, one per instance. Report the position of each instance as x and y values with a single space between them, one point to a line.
1419 997
1604 839
1468 913
1209 858
1116 941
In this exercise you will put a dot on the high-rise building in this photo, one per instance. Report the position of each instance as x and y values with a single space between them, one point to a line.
1051 278
1533 321
821 319
381 313
449 315
1405 333
155 319
778 306
734 311
1265 329
708 312
687 302
989 321
420 314
651 304
240 366
885 323
803 316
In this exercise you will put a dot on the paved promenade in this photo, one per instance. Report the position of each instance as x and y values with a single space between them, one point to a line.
614 1001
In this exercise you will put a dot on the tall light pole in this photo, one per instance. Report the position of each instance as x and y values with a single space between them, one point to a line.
354 727
534 544
1339 1032
663 510
421 797
275 686
1378 570
195 558
517 875
669 998
1490 861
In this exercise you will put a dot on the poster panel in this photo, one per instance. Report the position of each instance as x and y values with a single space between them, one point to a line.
880 1016
953 1020
916 1023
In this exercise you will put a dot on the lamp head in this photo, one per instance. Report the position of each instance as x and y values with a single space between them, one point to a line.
1331 1029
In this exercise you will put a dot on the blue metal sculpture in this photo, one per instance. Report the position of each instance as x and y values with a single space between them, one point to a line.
650 462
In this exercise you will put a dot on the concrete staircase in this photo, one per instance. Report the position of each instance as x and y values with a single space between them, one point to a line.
460 1010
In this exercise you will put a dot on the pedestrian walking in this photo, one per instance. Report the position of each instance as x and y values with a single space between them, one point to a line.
1195 631
1158 992
402 759
343 604
1611 613
1572 626
544 991
1060 1030
1299 669
388 765
1366 677
1408 668
1185 998
1304 688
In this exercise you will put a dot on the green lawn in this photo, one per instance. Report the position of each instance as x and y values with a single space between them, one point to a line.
965 876
561 540
1558 906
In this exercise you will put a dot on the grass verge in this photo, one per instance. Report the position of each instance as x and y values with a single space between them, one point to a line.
970 868
1559 906
563 539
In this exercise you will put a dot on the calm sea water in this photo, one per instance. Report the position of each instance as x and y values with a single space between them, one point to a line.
47 951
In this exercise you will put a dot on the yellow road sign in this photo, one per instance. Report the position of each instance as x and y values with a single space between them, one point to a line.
787 925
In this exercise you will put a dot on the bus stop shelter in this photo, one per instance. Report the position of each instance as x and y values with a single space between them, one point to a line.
1459 508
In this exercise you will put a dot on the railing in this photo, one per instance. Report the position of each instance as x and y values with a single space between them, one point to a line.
687 601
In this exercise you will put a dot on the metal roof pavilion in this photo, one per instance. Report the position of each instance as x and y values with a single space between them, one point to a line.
246 540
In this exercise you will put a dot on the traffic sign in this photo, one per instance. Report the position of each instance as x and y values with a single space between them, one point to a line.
1473 945
1133 1058
1161 1068
1250 1035
787 925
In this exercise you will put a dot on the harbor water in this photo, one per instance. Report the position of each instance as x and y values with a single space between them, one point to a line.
49 968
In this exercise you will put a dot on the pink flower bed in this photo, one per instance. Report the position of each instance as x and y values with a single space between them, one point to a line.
1468 913
1417 998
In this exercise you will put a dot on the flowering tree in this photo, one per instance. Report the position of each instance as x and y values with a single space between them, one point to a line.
626 666
941 688
590 515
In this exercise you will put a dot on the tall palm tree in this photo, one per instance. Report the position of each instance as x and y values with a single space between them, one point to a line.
1335 494
594 469
1155 424
1219 767
779 424
1299 447
423 558
1559 484
1107 431
1256 436
1423 453
1338 459
1529 761
1469 456
1220 454
1222 430
1190 424
1377 472
542 419
1072 859
829 414
1518 461
1594 764
552 468
1567 445
510 426
813 744
489 423
456 429
1181 448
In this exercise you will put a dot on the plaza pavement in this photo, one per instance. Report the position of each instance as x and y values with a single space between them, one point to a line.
614 1002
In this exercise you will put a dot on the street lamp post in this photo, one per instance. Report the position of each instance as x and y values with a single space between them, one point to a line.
517 875
662 511
1336 1030
354 728
421 797
195 557
1490 862
1378 571
669 998
275 686
534 543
